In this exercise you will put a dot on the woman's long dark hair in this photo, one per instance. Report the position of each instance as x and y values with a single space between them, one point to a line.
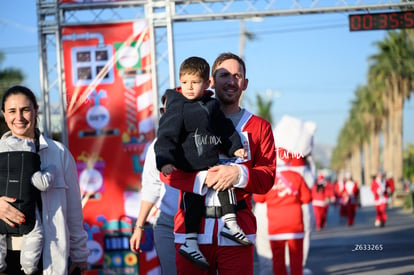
16 90
20 90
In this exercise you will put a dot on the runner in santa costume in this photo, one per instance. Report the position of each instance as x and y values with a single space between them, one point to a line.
349 194
340 199
285 221
391 185
322 196
256 176
330 194
297 136
381 189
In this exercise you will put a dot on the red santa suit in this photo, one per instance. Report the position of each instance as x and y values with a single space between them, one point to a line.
391 186
330 194
322 194
348 191
341 200
256 176
381 190
296 137
285 223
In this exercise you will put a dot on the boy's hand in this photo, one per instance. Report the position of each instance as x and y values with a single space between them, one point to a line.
167 169
241 153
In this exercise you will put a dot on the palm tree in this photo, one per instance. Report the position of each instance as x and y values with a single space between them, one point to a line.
363 109
8 77
264 108
373 112
355 138
359 130
340 152
394 66
409 162
379 107
347 153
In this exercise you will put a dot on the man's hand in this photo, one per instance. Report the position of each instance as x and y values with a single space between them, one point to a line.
222 177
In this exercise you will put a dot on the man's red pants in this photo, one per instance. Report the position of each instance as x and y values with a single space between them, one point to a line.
223 260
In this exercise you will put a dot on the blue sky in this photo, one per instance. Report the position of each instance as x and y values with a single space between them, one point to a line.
311 64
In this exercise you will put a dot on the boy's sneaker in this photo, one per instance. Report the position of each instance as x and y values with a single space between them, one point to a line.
235 234
194 255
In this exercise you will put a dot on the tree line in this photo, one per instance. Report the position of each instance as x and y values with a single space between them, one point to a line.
371 139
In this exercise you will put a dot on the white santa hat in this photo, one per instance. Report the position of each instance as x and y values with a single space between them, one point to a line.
347 175
294 143
295 135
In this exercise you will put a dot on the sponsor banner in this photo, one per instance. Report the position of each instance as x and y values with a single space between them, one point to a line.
108 79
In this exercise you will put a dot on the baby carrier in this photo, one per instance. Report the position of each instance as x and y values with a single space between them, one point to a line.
16 170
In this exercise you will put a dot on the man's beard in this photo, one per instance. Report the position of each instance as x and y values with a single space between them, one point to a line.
228 100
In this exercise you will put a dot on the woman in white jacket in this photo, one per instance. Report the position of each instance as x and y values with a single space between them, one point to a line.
64 236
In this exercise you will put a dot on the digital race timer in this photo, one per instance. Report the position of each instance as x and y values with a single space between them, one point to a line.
381 21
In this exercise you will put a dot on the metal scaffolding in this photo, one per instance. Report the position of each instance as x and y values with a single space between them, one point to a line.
161 14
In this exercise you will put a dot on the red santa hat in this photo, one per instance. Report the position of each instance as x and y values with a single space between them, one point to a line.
321 178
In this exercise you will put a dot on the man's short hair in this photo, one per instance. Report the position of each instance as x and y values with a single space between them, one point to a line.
226 56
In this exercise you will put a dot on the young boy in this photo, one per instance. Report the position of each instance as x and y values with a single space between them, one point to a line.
192 133
32 246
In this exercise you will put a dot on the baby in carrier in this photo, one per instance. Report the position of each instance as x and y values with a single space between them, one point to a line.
19 172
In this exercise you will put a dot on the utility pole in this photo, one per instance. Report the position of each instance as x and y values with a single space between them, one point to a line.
242 42
244 35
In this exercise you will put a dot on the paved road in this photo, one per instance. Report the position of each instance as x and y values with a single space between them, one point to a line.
339 249
333 248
